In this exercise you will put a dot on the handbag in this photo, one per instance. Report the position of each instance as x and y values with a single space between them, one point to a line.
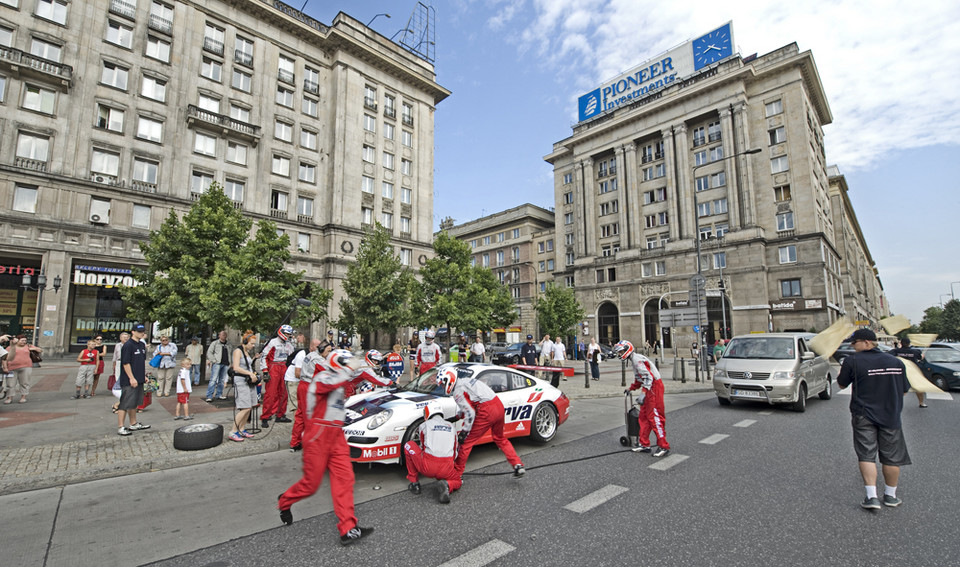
155 361
111 381
35 357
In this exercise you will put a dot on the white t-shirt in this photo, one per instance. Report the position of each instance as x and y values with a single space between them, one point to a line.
546 349
290 375
184 376
559 351
477 349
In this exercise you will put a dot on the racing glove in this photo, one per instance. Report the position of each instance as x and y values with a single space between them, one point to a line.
462 436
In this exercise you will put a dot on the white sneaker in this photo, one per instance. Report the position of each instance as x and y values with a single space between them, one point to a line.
124 431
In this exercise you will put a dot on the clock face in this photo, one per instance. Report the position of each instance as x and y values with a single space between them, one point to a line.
712 47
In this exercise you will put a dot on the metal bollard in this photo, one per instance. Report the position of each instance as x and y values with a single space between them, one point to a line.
586 373
677 368
683 371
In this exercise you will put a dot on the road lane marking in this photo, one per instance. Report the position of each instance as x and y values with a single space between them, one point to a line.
939 396
482 555
745 423
766 412
667 462
594 499
843 392
714 439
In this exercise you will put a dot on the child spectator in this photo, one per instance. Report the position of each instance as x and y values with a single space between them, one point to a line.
184 388
88 359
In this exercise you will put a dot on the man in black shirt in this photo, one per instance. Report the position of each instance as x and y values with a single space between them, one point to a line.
528 352
905 351
133 370
879 384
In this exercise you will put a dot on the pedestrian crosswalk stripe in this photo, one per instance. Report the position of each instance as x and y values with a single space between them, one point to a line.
714 439
745 423
667 462
932 396
482 555
596 498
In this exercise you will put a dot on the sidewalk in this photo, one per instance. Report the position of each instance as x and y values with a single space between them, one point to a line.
54 440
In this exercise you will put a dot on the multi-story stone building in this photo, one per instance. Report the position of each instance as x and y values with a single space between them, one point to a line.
723 157
114 112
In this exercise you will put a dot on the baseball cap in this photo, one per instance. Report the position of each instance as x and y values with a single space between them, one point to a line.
863 335
529 336
329 332
140 328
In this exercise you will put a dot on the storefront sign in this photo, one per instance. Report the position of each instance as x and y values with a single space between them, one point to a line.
103 276
102 325
17 270
798 304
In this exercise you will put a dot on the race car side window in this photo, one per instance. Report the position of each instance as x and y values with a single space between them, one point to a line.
496 379
519 381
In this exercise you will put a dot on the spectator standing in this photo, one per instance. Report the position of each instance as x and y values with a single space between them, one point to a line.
218 358
101 357
594 355
194 351
4 341
914 356
477 350
168 366
559 355
133 363
20 365
183 389
879 383
528 352
88 359
546 351
245 381
718 349
115 360
581 350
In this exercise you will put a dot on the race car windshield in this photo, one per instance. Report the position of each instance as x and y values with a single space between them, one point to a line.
426 383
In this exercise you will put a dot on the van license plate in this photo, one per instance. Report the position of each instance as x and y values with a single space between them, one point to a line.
747 393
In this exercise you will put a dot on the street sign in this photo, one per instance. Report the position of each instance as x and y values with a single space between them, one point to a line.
698 281
682 317
696 328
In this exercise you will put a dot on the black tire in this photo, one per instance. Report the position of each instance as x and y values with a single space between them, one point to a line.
544 424
515 360
624 441
827 393
408 435
197 436
800 405
723 401
940 382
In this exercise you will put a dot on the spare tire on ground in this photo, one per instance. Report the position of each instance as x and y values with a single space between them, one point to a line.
197 436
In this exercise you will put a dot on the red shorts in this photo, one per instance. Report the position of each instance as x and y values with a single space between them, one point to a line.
183 398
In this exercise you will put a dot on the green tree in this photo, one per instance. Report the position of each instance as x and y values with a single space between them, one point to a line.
558 311
377 288
950 321
932 320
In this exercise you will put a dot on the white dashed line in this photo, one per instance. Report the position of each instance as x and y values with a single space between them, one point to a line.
482 555
939 396
669 461
765 412
594 499
714 439
745 423
843 392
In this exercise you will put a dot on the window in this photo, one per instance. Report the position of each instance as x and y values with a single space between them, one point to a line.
105 162
567 178
309 106
788 254
119 34
699 136
719 260
209 103
612 229
241 81
779 164
486 240
568 281
33 147
389 106
485 262
718 179
155 89
370 97
407 114
6 36
702 183
569 258
243 51
239 113
612 272
280 165
719 206
499 257
406 138
777 135
387 190
663 218
161 17
366 215
661 268
646 153
213 39
515 256
141 217
233 190
568 218
781 193
722 229
785 221
114 75
388 130
664 238
406 256
713 131
366 184
25 199
311 80
200 182
716 153
647 173
305 207
541 246
145 171
284 97
790 288
648 197
662 194
387 160
204 144
405 224
542 266
646 269
286 70
278 201
608 186
236 153
149 129
659 170
705 232
651 242
550 245
109 118
703 209
308 139
369 123
406 167
211 69
283 131
158 49
52 10
47 50
308 173
601 276
700 157
568 198
650 221
303 242
774 108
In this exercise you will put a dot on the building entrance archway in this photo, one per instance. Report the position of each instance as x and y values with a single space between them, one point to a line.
608 324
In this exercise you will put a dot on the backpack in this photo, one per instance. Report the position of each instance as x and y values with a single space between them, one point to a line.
292 356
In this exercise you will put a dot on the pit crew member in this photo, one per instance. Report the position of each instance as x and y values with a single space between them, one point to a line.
274 356
428 353
434 455
646 378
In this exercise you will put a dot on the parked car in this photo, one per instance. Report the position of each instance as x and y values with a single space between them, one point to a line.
846 349
777 368
942 367
509 355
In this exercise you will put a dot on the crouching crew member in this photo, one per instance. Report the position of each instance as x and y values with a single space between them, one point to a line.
434 455
274 356
324 446
482 411
653 418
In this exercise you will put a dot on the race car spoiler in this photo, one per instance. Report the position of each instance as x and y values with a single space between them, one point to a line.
566 371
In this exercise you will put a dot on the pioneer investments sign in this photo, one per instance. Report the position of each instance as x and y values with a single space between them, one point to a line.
659 72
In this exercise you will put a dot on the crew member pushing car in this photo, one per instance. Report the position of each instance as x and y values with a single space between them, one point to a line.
653 418
434 455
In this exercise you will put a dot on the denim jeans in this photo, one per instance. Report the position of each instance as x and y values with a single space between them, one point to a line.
195 373
218 375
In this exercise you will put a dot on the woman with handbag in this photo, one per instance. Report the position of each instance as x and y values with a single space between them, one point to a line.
245 381
20 359
102 355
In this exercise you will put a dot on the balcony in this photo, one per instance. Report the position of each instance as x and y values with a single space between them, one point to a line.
286 77
121 8
278 214
213 46
195 196
714 137
243 58
613 170
407 120
238 205
390 112
22 62
658 155
699 141
370 103
31 164
306 219
311 87
161 25
647 158
222 124
143 186
601 173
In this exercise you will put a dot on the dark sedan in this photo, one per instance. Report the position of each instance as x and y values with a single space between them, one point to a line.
509 355
942 367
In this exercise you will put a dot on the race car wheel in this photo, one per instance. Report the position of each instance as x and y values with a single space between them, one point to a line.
198 436
408 435
543 427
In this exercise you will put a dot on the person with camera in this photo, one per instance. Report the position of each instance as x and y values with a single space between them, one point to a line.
245 381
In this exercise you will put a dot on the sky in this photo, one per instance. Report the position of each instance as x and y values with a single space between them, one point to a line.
517 67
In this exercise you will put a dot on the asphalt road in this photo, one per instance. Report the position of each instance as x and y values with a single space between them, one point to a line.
745 485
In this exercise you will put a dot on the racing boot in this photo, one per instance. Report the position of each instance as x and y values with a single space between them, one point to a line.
414 487
444 496
265 423
286 516
355 534
519 471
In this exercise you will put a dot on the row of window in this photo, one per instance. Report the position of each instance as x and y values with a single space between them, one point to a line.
367 184
499 258
386 219
500 237
715 207
51 10
389 105
368 155
370 125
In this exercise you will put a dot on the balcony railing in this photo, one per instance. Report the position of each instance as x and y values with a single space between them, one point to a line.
194 196
647 158
159 24
699 141
243 58
407 120
121 8
389 112
278 213
370 103
45 66
311 87
213 46
658 155
33 164
307 219
286 76
238 205
714 137
195 113
143 186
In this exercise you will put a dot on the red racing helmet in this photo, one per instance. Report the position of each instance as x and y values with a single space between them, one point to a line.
447 379
623 349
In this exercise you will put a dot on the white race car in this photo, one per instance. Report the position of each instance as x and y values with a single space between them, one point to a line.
379 423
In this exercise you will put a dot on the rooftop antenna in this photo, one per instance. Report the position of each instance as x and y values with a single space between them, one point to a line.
418 37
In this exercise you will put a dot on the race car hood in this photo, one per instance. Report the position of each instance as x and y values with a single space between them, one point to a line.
377 402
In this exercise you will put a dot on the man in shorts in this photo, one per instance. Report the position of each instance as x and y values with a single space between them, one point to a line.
133 370
879 384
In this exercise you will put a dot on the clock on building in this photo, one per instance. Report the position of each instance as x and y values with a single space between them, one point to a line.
712 47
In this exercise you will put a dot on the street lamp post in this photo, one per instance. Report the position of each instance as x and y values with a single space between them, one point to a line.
942 295
696 236
951 290
27 283
723 295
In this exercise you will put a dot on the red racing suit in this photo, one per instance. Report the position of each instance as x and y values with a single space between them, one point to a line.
274 357
433 456
428 356
325 449
482 411
312 364
653 418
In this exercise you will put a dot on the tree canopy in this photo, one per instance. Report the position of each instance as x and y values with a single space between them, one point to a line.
943 321
558 311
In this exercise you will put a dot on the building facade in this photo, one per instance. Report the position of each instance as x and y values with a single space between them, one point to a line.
727 162
114 112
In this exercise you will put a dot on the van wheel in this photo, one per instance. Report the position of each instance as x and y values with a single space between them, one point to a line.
827 392
800 405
